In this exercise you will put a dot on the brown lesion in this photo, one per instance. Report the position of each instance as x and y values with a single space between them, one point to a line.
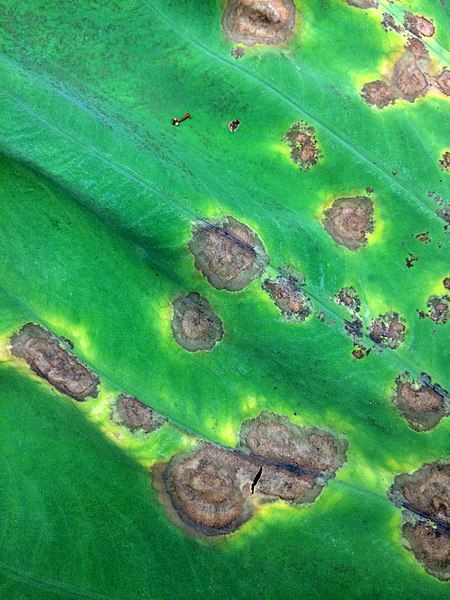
194 324
250 22
213 491
418 25
301 138
228 253
388 330
51 358
130 412
423 404
349 220
293 303
424 497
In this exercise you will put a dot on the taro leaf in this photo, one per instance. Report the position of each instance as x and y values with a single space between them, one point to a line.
98 195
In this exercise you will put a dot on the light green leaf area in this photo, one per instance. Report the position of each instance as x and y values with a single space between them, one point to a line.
98 193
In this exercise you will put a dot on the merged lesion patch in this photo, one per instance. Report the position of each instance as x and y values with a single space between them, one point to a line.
424 497
51 358
212 491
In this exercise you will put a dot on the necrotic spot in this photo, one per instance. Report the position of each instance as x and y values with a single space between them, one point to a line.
228 253
194 325
388 330
423 406
252 22
292 302
349 220
133 414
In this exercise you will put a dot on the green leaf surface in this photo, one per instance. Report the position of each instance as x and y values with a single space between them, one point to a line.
98 193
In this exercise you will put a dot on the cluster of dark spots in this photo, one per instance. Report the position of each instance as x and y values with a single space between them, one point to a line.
445 161
133 414
293 303
250 22
354 329
388 330
444 214
364 4
438 309
424 497
349 220
301 138
238 52
349 298
418 25
423 404
194 324
51 357
228 253
410 260
213 491
423 237
233 125
388 23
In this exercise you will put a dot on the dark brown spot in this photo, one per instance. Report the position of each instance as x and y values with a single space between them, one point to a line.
446 283
363 3
228 253
133 414
238 52
423 406
430 546
359 353
378 93
419 25
233 125
50 357
388 330
348 297
443 81
438 309
194 325
349 220
293 303
444 213
445 161
252 22
407 79
423 237
302 141
354 329
410 260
